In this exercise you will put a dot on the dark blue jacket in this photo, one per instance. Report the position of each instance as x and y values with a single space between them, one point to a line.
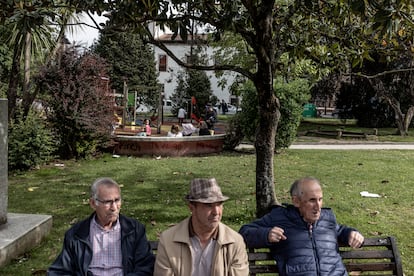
305 252
76 255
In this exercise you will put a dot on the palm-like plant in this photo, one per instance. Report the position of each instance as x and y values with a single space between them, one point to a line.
35 31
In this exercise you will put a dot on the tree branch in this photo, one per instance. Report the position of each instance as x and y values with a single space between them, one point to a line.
150 39
382 73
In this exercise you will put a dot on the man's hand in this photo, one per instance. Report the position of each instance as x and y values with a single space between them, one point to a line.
355 239
276 235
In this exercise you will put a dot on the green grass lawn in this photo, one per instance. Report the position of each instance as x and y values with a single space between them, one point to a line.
153 192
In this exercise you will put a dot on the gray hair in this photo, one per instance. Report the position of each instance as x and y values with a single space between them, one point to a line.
103 181
296 188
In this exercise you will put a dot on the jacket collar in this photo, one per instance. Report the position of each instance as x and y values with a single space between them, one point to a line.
81 230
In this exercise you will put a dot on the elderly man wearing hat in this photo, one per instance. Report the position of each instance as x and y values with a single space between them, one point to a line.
201 245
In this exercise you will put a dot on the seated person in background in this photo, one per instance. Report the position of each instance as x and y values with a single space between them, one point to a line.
303 237
175 131
201 245
203 129
210 118
106 243
145 129
189 129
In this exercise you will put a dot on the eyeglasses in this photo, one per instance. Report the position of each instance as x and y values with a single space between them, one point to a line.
109 203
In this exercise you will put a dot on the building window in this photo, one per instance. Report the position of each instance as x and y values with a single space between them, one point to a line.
162 63
188 59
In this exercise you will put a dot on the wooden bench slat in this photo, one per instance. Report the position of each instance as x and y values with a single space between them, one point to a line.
370 266
367 254
263 269
377 242
357 273
259 256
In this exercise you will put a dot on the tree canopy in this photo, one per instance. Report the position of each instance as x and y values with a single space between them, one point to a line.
129 60
330 33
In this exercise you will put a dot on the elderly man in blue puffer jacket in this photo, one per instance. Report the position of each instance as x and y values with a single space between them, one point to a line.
303 237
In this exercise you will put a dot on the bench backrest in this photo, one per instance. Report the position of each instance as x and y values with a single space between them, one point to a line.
378 256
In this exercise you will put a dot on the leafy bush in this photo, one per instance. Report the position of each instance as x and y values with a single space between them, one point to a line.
292 97
79 107
234 132
31 143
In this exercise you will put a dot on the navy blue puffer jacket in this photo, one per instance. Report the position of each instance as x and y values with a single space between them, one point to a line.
305 252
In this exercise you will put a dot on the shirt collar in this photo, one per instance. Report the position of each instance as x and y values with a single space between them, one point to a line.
115 225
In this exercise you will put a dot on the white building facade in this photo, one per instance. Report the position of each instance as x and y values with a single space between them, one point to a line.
168 69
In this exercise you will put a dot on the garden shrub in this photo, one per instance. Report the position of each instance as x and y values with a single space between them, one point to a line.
292 96
79 107
31 143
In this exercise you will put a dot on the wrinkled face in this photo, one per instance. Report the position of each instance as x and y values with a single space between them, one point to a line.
310 202
206 216
107 205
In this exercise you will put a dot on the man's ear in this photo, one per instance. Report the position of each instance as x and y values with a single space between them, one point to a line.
92 203
295 201
191 206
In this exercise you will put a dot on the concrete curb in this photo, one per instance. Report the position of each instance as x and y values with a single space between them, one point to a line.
343 146
21 233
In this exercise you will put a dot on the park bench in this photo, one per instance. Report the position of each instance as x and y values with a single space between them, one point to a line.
338 133
378 256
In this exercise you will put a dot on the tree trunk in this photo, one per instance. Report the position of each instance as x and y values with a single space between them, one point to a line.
400 118
269 113
265 146
27 97
408 117
14 82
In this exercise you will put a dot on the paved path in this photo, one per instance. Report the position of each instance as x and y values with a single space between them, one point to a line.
355 146
345 146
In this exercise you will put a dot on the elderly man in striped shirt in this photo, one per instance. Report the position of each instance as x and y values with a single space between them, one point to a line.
106 243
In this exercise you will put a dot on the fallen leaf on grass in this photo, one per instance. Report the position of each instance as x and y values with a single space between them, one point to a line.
373 214
31 189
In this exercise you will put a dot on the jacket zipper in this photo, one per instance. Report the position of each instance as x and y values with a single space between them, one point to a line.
310 231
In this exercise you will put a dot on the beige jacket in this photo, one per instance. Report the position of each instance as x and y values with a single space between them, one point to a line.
174 255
